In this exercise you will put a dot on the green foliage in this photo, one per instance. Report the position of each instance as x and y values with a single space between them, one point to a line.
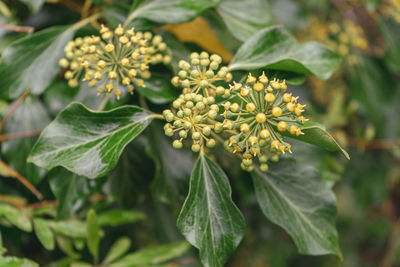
103 186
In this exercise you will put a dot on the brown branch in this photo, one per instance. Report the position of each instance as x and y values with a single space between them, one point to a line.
16 28
19 135
21 179
13 108
18 202
42 204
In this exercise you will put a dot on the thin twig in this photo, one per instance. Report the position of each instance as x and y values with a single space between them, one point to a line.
19 135
16 28
104 103
13 108
21 179
86 8
18 202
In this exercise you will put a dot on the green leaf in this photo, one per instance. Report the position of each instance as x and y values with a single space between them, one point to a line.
275 48
245 17
69 228
159 89
87 142
93 234
391 31
30 115
173 167
58 95
294 196
316 134
16 262
209 219
153 255
66 246
119 248
32 62
44 233
171 11
116 217
71 191
17 217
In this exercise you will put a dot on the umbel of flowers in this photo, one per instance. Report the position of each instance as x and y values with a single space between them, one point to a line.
251 123
114 61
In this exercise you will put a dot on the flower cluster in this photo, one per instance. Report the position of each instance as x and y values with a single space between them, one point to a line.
194 116
202 75
262 112
116 60
251 123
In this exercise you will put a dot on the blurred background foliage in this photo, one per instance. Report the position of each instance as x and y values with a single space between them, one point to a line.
359 104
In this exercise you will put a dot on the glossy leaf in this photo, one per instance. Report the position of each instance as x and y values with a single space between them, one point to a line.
69 228
44 233
116 217
316 134
32 62
16 262
17 217
93 233
209 219
119 248
87 142
245 17
171 11
275 48
294 196
159 89
71 191
173 167
66 245
30 116
153 255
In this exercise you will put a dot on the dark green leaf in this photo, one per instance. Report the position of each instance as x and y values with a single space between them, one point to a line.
29 116
153 255
116 217
391 31
209 219
119 248
294 196
17 217
173 167
275 48
93 234
58 95
171 11
87 142
71 191
16 262
316 134
245 17
44 233
159 89
32 62
2 249
70 228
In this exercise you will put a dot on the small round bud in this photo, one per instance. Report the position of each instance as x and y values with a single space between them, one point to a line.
177 144
182 74
218 127
244 127
194 55
212 114
282 126
214 65
247 162
235 107
265 133
203 83
200 106
187 125
211 143
253 140
196 148
250 107
269 97
209 74
196 136
109 48
177 124
189 104
263 159
183 134
204 55
195 74
198 98
261 118
275 144
169 132
276 111
206 130
287 97
245 91
220 90
264 167
63 63
185 83
275 158
290 106
258 86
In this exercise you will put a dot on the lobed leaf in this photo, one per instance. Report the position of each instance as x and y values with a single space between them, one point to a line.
87 142
32 62
275 48
209 219
171 11
295 197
